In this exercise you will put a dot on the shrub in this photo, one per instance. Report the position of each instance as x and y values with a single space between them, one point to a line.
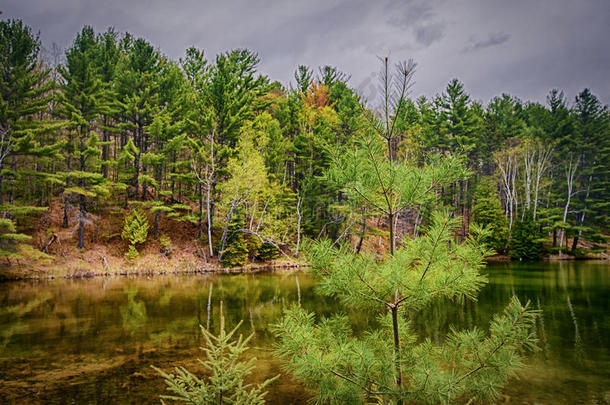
132 253
236 250
166 245
135 230
267 252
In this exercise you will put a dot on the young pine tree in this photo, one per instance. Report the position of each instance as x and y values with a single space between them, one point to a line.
392 363
226 383
487 211
525 239
235 253
135 230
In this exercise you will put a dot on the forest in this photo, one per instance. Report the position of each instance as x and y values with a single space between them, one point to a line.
111 145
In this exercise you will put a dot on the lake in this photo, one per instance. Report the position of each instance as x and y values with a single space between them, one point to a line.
93 340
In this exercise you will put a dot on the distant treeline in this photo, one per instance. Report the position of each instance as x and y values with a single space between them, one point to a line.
112 123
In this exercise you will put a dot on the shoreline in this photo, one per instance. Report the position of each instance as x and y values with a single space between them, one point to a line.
210 269
70 269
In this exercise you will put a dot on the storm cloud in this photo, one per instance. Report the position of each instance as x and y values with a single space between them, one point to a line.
522 47
493 39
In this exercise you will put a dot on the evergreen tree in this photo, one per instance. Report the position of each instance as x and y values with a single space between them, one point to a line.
525 239
198 124
592 144
27 135
25 91
487 211
135 230
82 102
388 365
303 77
235 253
226 383
138 97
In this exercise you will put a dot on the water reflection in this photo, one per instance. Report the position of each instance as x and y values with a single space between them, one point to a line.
94 340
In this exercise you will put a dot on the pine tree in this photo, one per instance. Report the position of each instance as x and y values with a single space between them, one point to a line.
25 94
391 364
487 211
107 56
10 240
235 253
226 383
138 98
525 239
82 100
198 122
135 230
592 146
26 133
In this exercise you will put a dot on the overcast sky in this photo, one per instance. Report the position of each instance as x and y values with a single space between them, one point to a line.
522 47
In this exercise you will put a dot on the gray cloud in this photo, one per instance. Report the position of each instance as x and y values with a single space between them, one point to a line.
408 13
525 48
418 17
426 35
493 39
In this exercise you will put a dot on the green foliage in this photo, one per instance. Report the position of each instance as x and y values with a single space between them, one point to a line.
236 250
119 121
342 367
135 230
487 211
132 253
391 364
225 384
525 240
267 252
166 245
10 240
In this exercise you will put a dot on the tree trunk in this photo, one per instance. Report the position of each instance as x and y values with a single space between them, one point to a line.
11 196
200 224
223 239
46 230
299 219
362 232
397 368
64 223
156 225
81 222
209 215
136 163
582 215
464 202
1 177
570 173
105 138
574 243
159 189
391 218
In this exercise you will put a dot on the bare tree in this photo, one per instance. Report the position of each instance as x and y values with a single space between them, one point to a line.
508 166
205 176
570 175
543 162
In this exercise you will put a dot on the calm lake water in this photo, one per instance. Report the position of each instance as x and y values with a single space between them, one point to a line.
93 341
